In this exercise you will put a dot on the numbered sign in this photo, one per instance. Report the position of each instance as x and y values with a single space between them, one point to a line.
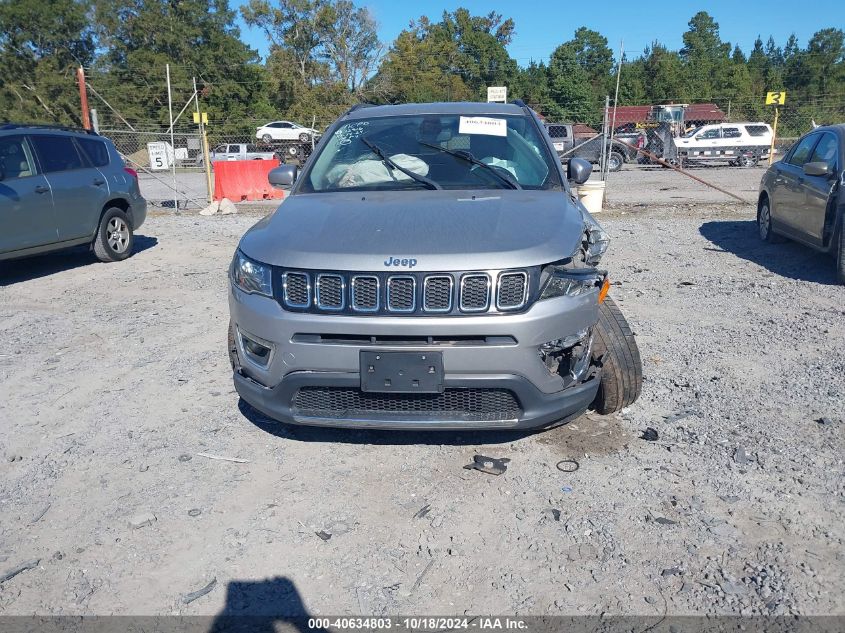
776 98
497 94
161 155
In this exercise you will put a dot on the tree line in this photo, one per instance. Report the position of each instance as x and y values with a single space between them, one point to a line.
325 55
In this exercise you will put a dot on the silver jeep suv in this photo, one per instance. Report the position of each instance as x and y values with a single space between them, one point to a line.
431 268
61 187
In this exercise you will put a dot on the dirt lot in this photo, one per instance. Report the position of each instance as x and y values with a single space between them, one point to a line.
114 378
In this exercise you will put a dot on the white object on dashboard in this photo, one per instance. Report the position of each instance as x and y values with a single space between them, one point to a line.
482 125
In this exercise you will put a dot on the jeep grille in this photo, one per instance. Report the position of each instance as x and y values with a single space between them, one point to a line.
421 294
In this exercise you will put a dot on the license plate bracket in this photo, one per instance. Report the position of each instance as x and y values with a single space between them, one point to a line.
401 372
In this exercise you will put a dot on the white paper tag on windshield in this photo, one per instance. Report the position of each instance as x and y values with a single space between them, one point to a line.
482 125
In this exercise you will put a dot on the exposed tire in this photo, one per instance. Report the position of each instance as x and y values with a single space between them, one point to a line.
232 348
621 368
267 138
115 238
615 161
840 256
304 137
293 151
764 222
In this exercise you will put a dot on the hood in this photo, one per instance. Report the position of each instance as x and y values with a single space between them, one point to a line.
440 230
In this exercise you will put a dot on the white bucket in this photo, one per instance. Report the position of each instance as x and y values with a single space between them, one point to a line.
591 195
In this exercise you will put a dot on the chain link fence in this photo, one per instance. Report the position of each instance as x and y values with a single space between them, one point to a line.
626 137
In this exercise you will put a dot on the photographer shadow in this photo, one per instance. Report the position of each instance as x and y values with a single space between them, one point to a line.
262 606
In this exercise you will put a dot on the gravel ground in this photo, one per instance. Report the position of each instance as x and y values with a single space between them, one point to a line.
114 378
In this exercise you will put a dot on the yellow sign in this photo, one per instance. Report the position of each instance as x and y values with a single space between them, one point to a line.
776 98
197 117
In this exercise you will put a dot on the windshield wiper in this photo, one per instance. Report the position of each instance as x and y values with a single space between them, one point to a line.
380 153
465 155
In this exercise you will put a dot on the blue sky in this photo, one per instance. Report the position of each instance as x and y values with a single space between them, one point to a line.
543 24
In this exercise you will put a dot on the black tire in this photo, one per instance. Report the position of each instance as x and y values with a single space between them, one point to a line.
615 161
764 222
615 347
304 137
115 238
232 348
267 138
840 256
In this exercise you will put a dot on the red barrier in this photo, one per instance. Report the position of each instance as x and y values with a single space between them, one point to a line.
240 180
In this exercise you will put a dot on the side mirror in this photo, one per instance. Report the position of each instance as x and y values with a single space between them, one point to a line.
282 176
818 168
578 170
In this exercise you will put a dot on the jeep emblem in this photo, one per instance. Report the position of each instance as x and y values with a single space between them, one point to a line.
395 261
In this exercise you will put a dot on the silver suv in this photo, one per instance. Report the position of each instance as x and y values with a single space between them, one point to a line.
61 187
431 268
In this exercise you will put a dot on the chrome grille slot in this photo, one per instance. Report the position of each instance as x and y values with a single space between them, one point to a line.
330 292
401 293
513 291
296 289
437 293
365 291
475 292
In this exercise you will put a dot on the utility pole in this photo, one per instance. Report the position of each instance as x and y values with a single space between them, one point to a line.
83 98
172 142
204 145
95 121
604 136
615 108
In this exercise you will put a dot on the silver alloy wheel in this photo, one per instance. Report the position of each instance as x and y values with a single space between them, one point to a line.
117 235
764 224
613 163
267 138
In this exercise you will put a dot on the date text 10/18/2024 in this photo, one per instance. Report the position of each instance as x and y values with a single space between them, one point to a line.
421 623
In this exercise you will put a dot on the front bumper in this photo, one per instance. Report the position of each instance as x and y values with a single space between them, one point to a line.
508 364
537 409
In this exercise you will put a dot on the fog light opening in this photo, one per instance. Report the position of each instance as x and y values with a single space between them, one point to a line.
568 357
257 351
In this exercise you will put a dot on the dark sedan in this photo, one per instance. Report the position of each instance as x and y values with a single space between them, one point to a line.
802 198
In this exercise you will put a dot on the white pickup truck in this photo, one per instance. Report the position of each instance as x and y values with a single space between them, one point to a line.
240 151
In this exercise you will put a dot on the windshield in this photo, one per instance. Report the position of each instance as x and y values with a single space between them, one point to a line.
445 150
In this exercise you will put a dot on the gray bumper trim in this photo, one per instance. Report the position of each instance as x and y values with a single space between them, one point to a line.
539 409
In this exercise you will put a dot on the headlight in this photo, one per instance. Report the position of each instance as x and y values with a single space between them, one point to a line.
597 243
565 281
250 276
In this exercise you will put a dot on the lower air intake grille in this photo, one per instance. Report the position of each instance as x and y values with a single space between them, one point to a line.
453 404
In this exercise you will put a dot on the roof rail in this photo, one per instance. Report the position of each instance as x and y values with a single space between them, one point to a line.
519 102
8 125
358 106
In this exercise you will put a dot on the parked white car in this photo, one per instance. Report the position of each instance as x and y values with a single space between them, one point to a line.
285 131
743 144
